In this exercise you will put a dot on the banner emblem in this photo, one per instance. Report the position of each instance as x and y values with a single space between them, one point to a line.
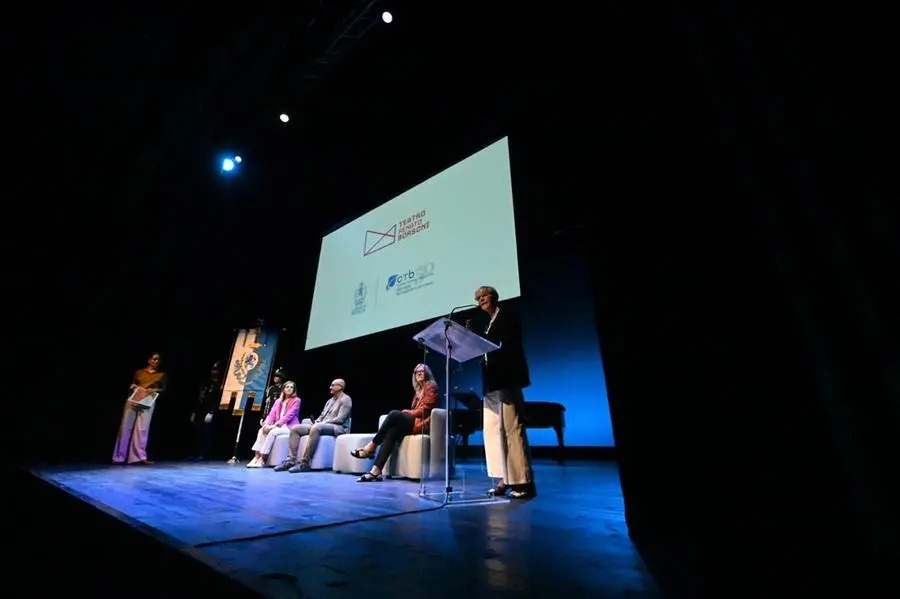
248 367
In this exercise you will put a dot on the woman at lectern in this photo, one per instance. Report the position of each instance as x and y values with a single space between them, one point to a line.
400 423
134 430
505 375
281 418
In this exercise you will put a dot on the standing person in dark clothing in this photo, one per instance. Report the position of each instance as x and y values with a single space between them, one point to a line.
273 392
204 411
505 375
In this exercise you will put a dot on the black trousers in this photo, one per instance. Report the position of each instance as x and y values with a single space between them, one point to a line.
203 436
396 426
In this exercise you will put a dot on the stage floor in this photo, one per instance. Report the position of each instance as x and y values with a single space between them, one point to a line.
325 535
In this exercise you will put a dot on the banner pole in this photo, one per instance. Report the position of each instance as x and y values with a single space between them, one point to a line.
234 459
237 441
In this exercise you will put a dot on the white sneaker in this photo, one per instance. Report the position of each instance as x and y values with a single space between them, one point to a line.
255 463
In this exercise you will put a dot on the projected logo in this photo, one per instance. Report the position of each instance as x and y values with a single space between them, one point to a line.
378 240
415 224
411 280
359 299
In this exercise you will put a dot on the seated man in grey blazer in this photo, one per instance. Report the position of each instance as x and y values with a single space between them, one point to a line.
334 420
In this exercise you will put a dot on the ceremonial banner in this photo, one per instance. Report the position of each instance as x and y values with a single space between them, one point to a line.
248 370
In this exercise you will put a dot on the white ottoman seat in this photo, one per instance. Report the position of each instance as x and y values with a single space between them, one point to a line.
407 461
323 457
279 450
342 461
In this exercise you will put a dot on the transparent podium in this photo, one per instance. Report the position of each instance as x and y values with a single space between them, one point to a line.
442 479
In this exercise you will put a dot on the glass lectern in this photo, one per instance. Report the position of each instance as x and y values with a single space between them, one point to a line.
443 480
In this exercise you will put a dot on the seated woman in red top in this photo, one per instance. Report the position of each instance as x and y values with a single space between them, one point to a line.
400 423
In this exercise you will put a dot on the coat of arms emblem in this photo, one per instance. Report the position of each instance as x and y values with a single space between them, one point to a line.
247 367
359 299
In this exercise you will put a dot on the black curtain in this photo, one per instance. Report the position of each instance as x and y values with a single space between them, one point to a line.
742 257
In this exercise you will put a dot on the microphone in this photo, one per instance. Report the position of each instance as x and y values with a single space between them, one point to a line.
449 318
461 308
447 322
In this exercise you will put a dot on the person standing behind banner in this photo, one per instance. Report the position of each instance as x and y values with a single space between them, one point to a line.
505 375
203 413
273 392
134 430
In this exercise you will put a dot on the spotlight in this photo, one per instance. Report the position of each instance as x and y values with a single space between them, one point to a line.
387 17
284 118
230 164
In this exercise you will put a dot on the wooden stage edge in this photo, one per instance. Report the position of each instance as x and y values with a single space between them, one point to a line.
239 584
231 531
207 504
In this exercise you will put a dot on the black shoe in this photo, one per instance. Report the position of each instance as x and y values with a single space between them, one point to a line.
499 491
526 491
285 465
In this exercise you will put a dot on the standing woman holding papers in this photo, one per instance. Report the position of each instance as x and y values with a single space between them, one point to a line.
134 431
505 375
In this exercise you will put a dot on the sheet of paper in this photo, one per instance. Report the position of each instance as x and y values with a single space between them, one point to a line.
142 397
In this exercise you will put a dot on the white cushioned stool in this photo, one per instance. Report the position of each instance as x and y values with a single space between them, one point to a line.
279 450
406 462
323 457
342 461
438 449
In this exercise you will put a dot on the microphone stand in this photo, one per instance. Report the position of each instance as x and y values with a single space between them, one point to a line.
424 349
449 347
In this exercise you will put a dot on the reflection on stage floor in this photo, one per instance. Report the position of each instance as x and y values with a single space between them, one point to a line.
325 535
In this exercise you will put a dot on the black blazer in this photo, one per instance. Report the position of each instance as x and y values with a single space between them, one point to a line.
505 368
209 397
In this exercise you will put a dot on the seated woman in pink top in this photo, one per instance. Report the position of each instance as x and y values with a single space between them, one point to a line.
281 418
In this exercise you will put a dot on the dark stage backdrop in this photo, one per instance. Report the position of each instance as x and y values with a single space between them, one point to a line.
561 345
556 307
560 342
191 319
742 258
194 323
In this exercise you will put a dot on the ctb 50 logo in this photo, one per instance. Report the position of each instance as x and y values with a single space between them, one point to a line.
394 280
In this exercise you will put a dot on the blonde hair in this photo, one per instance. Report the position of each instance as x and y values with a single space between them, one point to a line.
495 297
429 376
